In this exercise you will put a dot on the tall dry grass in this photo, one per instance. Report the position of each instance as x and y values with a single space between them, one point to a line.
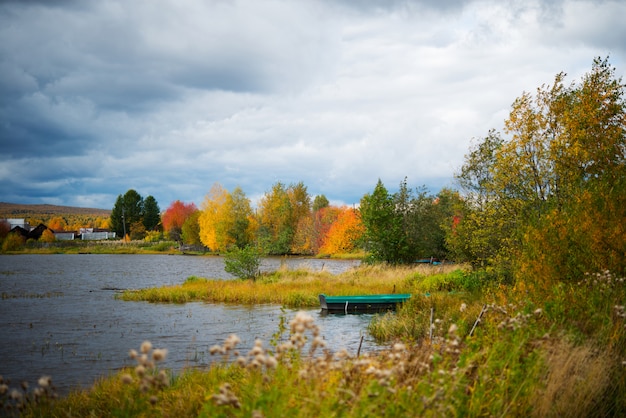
291 288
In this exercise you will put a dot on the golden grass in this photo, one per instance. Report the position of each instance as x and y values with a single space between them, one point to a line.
291 288
575 375
527 357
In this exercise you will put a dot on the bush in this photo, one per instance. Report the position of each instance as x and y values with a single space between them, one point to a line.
243 262
12 242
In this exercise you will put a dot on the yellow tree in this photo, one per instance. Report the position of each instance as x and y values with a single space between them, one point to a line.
276 229
215 219
57 223
226 219
47 236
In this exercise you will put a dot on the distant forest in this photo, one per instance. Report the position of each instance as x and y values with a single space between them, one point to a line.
59 218
16 210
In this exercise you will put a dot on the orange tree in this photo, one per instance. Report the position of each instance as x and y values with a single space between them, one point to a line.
175 216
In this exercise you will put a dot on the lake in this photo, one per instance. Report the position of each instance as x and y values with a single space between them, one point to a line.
59 317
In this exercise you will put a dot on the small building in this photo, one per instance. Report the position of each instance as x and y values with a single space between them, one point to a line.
15 222
64 235
97 235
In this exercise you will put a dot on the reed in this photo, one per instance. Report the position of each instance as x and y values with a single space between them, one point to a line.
298 288
560 352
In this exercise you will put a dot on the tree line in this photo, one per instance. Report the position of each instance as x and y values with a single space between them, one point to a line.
546 198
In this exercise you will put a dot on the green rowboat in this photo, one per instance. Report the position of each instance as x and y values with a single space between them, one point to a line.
362 303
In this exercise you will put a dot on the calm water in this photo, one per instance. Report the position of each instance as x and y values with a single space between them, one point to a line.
58 315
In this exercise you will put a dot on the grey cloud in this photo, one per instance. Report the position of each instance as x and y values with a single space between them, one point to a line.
168 97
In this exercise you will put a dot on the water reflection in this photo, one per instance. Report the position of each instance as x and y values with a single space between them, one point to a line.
56 319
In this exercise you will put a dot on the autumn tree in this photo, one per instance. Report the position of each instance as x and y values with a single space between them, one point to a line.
57 223
190 231
137 230
551 202
47 236
5 228
281 212
225 219
302 223
345 233
174 218
323 219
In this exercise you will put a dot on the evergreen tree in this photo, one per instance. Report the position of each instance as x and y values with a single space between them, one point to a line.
128 210
151 213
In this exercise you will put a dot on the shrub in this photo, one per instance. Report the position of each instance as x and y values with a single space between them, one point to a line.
243 262
12 242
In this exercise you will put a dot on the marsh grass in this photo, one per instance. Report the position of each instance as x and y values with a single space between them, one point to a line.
299 288
555 352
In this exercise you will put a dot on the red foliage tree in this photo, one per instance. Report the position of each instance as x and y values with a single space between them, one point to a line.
175 216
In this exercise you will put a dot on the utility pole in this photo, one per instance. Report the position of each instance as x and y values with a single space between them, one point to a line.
124 222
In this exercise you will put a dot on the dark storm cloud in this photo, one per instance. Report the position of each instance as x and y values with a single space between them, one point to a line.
168 97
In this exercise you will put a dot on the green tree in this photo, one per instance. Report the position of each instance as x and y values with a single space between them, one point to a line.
320 202
151 213
276 221
190 231
478 237
128 209
385 237
243 262
301 221
242 227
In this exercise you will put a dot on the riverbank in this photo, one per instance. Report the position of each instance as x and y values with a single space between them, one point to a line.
135 247
492 349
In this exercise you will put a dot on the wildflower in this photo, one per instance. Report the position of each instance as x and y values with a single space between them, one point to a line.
453 328
163 377
231 342
127 379
3 388
255 351
146 346
15 394
159 354
132 354
153 400
397 347
140 370
463 307
216 349
319 342
271 362
538 311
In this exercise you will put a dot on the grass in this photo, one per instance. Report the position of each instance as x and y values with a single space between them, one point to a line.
97 247
560 351
291 288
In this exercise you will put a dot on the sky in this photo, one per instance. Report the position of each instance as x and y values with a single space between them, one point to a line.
168 97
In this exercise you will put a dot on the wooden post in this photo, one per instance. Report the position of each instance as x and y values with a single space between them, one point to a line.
358 353
432 312
482 311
